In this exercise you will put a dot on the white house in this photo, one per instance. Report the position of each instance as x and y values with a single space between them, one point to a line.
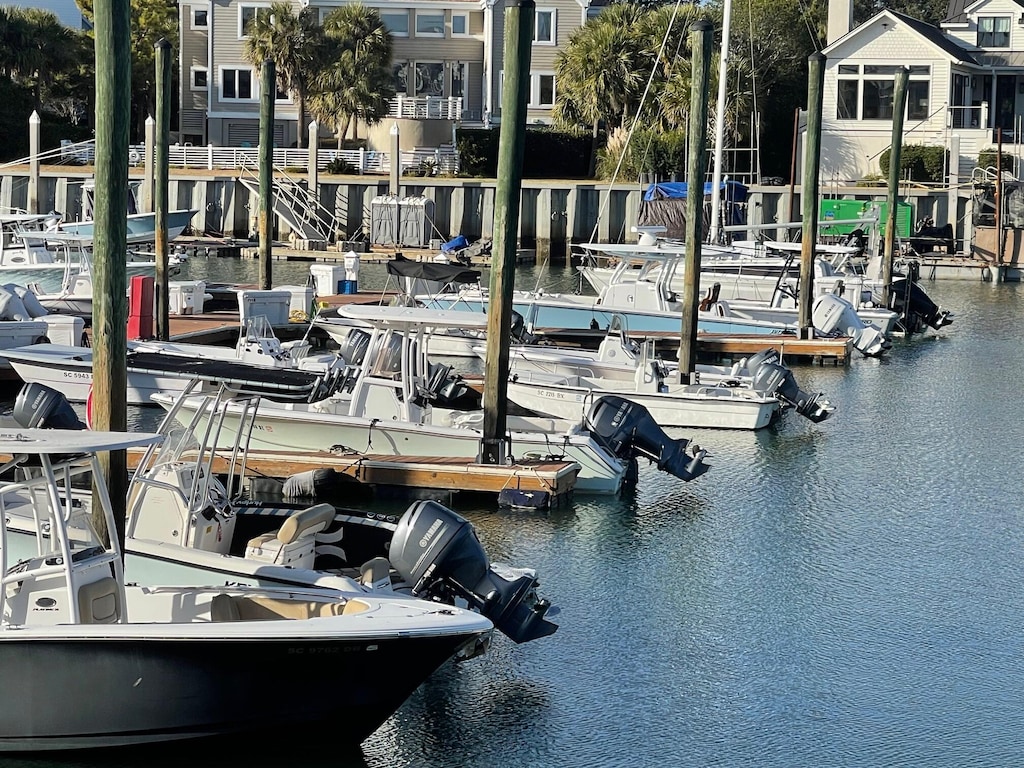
966 87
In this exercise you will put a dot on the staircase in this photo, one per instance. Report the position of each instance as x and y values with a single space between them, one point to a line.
295 204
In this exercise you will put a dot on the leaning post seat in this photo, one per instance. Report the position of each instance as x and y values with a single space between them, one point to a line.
294 544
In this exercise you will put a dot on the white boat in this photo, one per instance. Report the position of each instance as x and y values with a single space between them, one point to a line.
183 526
618 359
141 226
90 661
387 404
151 371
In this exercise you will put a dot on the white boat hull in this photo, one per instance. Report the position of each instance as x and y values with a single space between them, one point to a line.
678 406
298 427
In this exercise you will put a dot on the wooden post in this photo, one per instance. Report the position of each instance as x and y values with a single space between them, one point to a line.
161 161
268 90
313 171
809 193
518 42
33 163
899 101
396 161
112 25
792 170
147 196
700 52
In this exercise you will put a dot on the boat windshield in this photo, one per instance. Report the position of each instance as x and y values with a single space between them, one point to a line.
179 440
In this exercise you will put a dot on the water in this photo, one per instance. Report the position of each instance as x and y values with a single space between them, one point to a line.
841 594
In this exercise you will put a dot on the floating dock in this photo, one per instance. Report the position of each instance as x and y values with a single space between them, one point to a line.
548 483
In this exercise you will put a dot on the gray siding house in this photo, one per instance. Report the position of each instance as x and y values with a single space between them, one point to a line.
448 66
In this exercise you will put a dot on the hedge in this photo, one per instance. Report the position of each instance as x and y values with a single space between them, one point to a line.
548 154
917 163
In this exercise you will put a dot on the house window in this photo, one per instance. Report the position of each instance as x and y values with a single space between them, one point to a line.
542 89
236 85
867 94
401 75
544 27
458 89
994 32
200 78
200 18
429 23
397 23
429 78
460 24
247 14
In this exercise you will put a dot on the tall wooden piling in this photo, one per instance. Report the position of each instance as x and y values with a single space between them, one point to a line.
809 192
161 162
899 102
33 162
112 24
700 55
268 91
518 42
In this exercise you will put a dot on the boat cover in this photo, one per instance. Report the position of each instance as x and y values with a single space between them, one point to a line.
429 270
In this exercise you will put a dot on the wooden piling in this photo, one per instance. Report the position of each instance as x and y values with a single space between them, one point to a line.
809 192
518 42
161 172
268 91
899 102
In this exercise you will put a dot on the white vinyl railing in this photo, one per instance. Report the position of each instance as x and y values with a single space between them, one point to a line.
426 108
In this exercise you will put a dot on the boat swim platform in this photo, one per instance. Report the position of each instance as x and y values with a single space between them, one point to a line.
549 480
722 348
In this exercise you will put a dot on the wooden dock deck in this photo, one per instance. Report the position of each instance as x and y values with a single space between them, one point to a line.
550 481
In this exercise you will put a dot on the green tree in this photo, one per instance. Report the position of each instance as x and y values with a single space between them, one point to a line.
357 83
295 43
46 47
151 20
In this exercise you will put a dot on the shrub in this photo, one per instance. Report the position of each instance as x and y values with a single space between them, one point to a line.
917 163
987 159
661 153
548 154
339 166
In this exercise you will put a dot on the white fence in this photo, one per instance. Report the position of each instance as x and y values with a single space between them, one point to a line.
425 162
425 108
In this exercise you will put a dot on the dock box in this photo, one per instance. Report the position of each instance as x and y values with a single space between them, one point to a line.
64 329
327 278
274 305
186 297
301 297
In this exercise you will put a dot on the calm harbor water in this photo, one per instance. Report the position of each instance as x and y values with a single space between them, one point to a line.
841 594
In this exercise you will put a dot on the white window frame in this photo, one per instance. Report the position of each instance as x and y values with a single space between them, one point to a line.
465 20
383 17
993 22
535 89
241 8
428 14
255 87
554 26
192 17
192 79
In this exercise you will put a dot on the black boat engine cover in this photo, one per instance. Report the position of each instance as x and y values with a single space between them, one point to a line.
779 381
437 552
628 429
38 405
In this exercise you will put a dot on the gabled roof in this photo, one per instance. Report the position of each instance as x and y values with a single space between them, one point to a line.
929 32
956 11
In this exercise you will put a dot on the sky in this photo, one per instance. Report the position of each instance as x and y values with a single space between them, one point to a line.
66 10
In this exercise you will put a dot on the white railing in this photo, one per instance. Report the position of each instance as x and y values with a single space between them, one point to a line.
426 108
429 162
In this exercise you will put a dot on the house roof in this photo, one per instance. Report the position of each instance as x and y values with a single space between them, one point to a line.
1008 59
929 32
956 10
936 36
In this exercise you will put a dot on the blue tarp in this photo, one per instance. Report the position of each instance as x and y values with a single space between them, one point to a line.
676 190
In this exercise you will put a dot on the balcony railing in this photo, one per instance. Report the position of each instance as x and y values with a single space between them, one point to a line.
426 108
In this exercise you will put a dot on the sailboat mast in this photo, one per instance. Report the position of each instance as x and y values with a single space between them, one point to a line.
716 175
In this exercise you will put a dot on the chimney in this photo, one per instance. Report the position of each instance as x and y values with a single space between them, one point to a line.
840 19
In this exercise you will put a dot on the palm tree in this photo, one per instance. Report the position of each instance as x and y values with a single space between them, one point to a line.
46 46
358 83
295 44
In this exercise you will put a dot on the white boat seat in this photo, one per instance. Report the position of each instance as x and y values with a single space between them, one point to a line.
98 602
294 544
376 573
226 607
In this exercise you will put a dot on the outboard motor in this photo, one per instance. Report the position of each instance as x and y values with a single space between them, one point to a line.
353 349
37 405
629 430
438 553
914 306
778 381
836 316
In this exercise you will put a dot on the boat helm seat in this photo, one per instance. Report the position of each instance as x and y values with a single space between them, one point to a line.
98 602
295 543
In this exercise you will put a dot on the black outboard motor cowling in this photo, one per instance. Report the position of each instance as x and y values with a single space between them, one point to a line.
777 380
915 307
437 552
38 405
629 430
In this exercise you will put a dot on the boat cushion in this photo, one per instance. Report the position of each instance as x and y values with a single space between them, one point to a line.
307 522
98 602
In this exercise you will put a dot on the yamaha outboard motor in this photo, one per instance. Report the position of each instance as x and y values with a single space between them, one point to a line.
629 430
778 380
835 316
914 306
40 406
438 553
